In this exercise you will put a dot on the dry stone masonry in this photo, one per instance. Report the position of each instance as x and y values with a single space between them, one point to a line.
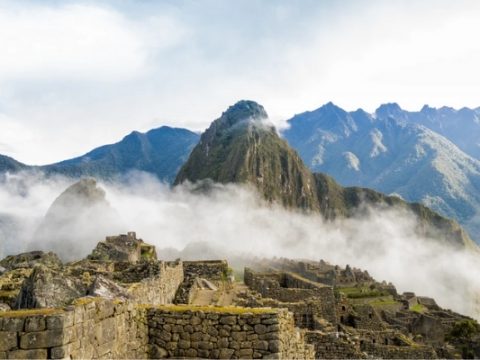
119 303
224 333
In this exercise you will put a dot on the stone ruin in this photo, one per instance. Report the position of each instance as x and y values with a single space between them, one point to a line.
122 302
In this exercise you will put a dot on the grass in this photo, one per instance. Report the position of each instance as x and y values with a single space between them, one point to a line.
214 309
30 312
361 292
418 308
384 302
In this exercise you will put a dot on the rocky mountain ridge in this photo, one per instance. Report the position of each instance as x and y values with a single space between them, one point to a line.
159 151
390 153
235 149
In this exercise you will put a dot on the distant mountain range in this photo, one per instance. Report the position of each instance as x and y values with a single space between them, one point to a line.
392 152
462 127
160 151
242 147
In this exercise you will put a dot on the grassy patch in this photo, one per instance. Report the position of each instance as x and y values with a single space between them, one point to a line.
418 308
30 312
215 309
361 292
384 302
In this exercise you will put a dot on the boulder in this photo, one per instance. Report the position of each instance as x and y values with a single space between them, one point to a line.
29 259
47 287
107 289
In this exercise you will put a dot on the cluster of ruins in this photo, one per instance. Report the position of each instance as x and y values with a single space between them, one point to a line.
122 302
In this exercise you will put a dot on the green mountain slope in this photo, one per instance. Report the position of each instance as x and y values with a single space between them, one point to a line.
240 147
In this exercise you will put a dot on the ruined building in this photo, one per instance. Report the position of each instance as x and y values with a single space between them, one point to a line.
122 302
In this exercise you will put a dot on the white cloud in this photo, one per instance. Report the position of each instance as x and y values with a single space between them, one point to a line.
120 66
78 42
233 222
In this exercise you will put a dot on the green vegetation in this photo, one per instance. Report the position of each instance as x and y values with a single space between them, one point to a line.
418 308
30 312
464 330
216 309
462 335
383 302
361 292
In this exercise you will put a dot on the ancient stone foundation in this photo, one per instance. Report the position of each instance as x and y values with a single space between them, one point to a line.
212 333
96 328
93 328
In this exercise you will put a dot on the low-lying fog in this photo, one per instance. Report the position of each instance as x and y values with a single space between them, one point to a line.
232 222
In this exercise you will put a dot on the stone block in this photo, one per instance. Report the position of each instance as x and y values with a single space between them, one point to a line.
226 353
223 343
270 321
260 345
260 329
274 346
105 331
184 344
202 353
228 320
13 324
41 339
8 340
35 323
105 309
246 353
239 335
28 354
191 353
54 322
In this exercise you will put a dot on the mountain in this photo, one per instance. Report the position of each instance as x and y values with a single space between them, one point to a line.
462 127
159 151
242 147
11 165
80 214
389 153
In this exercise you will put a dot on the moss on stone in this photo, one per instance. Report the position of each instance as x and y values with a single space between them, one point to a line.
31 312
215 309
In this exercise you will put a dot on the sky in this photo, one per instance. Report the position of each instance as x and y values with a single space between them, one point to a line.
75 75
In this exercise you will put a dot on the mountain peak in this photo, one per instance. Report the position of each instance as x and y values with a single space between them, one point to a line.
243 110
388 110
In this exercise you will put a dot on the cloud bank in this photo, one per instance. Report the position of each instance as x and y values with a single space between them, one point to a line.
230 221
118 66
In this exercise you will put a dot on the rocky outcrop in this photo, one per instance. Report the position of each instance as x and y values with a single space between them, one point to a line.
78 215
29 259
47 287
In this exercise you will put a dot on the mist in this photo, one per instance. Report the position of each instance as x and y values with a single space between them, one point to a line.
232 222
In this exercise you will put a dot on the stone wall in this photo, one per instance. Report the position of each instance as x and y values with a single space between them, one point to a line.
208 332
399 352
365 317
214 270
93 328
333 346
161 288
302 296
